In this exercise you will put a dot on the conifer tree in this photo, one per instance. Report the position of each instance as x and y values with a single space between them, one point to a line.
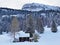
53 26
0 29
30 25
39 26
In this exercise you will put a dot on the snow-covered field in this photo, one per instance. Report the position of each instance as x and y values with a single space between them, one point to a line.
48 38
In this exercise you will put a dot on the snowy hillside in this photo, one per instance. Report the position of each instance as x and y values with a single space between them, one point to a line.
48 38
38 7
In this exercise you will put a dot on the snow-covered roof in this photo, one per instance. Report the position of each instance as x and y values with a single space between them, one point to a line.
22 34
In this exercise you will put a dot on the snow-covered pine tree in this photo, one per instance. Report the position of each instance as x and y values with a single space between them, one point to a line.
53 26
30 25
39 26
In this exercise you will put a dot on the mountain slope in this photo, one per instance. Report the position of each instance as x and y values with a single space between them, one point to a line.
38 7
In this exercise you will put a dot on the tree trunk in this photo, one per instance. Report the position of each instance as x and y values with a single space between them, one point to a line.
14 37
31 35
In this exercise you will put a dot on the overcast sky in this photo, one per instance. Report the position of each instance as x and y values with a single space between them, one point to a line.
17 4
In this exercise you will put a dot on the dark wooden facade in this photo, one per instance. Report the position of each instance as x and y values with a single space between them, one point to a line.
22 39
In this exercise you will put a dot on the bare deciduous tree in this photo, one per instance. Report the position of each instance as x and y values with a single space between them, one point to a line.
14 26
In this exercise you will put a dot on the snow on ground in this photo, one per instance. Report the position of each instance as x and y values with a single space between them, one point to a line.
48 38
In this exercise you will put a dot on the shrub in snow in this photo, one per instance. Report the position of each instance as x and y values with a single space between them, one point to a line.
53 27
35 37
